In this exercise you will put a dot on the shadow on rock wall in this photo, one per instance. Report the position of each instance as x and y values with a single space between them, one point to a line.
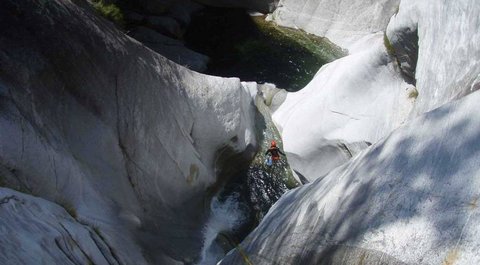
410 198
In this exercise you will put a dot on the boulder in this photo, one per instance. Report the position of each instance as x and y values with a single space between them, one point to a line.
156 7
165 25
182 11
264 6
134 17
172 49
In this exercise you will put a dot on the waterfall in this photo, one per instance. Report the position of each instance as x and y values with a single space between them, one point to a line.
226 216
243 202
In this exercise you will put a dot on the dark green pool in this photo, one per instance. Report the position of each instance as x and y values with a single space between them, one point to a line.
255 50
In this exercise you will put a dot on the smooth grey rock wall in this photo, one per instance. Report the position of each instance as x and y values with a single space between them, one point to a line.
357 99
448 64
362 97
342 21
411 198
36 231
129 139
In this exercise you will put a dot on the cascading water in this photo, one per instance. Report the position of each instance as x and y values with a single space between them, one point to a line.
244 201
226 216
253 50
267 183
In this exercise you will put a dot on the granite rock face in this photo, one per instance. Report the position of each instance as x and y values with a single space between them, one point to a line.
385 81
411 198
448 65
36 231
343 22
92 119
350 103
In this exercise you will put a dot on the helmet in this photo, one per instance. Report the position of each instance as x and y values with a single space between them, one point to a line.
274 144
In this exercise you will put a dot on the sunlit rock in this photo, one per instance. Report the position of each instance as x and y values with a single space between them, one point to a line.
409 199
363 97
448 64
36 231
343 22
350 103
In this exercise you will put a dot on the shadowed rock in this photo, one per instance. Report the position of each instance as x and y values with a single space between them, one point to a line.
124 136
411 198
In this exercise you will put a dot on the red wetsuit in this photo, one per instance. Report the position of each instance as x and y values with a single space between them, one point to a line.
275 152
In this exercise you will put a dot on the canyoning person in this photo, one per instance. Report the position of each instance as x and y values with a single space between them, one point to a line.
274 154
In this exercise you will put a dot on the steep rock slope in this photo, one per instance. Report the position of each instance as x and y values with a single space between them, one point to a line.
351 102
355 100
411 198
92 119
31 227
343 22
448 65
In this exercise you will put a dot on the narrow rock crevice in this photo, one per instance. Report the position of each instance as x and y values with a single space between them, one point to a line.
406 48
101 243
73 241
7 199
402 44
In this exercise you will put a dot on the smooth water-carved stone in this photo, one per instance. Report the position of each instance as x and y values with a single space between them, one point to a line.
92 118
411 198
343 22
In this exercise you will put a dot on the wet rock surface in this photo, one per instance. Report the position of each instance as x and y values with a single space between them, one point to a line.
408 199
411 196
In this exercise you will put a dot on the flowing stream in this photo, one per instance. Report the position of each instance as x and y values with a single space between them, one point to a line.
243 202
253 50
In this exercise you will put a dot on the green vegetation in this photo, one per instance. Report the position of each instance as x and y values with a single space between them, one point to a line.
291 182
397 9
388 45
110 12
256 50
9 178
413 93
68 207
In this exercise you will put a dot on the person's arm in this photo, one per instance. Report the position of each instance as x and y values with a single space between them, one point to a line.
280 151
268 151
